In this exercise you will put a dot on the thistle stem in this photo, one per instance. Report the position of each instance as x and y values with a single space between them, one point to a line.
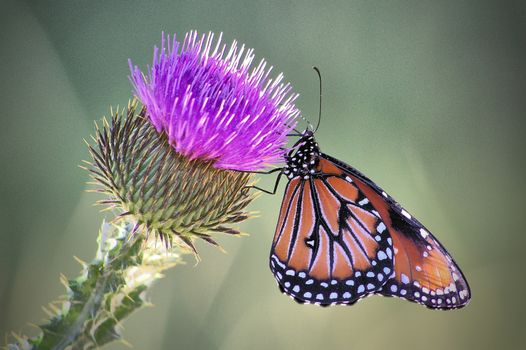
109 289
72 336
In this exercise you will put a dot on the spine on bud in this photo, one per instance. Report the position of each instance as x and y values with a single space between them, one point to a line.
169 195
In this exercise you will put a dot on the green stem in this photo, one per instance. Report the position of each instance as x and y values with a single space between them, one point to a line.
71 337
109 289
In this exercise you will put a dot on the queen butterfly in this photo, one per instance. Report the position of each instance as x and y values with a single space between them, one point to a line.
340 238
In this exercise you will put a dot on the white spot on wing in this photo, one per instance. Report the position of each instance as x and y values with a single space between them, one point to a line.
389 252
363 201
381 255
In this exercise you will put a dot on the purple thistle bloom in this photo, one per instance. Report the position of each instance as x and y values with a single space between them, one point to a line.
211 107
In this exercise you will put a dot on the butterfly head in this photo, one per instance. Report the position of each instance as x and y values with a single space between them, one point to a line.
303 157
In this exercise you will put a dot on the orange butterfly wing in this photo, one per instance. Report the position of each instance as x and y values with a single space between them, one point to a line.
329 247
424 271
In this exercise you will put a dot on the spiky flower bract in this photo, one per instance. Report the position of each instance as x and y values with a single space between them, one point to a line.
211 106
165 192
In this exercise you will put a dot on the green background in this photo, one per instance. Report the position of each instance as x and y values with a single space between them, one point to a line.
426 98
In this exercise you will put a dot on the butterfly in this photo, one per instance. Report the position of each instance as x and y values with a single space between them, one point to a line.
340 238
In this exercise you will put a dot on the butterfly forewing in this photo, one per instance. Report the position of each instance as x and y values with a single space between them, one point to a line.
424 270
330 247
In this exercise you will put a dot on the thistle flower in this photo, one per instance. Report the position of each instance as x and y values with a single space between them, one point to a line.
207 115
169 169
165 193
203 97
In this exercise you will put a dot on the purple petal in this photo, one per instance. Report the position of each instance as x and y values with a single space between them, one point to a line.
211 106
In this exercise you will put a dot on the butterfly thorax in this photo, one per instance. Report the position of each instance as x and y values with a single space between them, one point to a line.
303 157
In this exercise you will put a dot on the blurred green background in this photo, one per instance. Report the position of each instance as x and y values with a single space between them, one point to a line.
427 98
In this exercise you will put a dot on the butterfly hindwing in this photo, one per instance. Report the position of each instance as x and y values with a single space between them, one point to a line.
330 245
424 271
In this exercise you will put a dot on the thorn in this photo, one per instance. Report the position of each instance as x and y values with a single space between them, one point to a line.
126 343
64 280
108 201
80 261
96 191
31 324
19 338
190 244
210 240
47 312
227 230
108 208
55 309
254 214
126 213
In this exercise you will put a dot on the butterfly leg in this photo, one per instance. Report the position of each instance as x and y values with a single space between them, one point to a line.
261 172
275 184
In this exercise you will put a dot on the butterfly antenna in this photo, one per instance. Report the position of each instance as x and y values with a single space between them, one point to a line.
319 112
